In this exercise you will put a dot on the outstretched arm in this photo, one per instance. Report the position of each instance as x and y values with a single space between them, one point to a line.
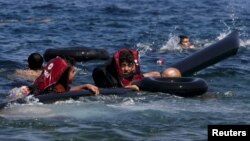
133 87
90 87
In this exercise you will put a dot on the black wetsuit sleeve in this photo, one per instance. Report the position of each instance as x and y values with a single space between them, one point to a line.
99 77
34 90
104 78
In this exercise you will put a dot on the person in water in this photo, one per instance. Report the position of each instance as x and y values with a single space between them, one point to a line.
35 67
123 69
56 78
57 75
184 42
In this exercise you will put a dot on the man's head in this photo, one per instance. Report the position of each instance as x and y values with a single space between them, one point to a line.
184 41
126 61
35 61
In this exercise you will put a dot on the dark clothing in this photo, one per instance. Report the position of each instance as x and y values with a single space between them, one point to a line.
105 76
50 89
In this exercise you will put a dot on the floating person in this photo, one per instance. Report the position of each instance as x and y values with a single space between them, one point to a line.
123 69
184 42
35 67
55 78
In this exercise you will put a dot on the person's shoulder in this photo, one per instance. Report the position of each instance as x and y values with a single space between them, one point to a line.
191 46
28 74
22 72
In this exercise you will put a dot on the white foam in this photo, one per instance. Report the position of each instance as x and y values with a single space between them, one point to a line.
110 106
143 48
245 43
171 44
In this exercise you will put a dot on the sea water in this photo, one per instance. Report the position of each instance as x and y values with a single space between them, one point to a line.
150 26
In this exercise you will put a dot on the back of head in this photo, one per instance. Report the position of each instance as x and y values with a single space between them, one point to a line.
35 61
171 72
71 61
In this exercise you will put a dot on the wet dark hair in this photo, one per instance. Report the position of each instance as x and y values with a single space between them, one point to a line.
71 61
182 37
64 77
126 56
35 61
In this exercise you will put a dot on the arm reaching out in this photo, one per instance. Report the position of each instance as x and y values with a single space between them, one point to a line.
90 87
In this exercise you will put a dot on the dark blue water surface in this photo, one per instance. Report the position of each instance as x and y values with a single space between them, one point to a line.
149 26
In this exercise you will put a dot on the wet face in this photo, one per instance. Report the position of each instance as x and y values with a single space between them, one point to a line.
127 67
72 73
185 42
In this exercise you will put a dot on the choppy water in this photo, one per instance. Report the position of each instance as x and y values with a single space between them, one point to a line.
148 25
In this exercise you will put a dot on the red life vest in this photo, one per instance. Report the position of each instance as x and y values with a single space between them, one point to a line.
137 74
51 73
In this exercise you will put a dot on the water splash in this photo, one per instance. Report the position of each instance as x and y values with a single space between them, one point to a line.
229 94
171 44
143 48
18 92
223 35
245 43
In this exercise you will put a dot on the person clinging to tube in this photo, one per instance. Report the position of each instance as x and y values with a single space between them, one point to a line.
56 77
123 69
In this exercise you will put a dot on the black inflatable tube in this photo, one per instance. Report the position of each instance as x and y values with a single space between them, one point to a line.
184 86
78 53
209 55
53 97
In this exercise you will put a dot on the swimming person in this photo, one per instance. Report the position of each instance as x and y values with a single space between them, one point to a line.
123 69
184 42
35 67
